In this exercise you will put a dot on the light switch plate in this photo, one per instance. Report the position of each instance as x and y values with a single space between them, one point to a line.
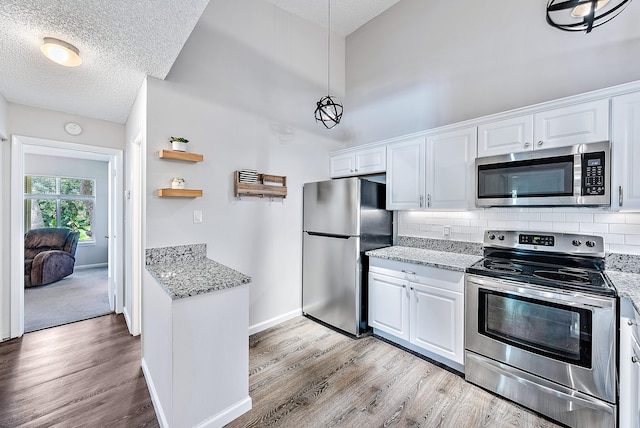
446 231
197 216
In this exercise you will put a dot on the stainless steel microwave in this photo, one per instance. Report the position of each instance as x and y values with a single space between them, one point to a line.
576 175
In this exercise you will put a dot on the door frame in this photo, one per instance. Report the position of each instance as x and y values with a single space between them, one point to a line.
20 145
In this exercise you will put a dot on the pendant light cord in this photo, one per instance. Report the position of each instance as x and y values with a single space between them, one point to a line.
329 49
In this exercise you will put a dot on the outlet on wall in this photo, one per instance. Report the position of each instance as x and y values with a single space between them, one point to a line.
197 216
446 232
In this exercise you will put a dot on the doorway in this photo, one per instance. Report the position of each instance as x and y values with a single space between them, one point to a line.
112 158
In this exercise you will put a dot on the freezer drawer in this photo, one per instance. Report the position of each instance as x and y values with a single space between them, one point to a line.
331 281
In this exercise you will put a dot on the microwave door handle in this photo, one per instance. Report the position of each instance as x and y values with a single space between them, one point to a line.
620 195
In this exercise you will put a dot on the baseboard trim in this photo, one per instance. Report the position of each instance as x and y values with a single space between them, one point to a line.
162 420
228 414
96 265
256 328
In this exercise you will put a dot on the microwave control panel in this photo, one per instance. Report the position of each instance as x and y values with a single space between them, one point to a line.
593 174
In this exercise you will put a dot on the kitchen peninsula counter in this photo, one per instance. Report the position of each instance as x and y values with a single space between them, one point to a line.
195 337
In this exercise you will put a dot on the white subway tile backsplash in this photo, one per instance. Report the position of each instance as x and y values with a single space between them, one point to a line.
594 228
540 226
552 216
620 230
627 229
609 218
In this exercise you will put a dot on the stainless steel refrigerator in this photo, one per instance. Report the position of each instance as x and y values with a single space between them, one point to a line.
343 218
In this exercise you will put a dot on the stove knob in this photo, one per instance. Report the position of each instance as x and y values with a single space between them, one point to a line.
576 243
492 236
501 237
590 244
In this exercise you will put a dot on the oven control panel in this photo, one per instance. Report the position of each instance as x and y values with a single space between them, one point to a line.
543 240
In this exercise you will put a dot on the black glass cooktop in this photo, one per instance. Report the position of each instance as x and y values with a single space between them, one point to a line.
567 274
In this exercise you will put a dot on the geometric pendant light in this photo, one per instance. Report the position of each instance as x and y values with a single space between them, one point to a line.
328 109
582 15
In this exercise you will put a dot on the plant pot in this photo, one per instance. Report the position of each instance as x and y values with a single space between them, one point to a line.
178 146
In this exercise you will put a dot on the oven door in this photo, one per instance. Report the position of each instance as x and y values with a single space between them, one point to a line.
566 338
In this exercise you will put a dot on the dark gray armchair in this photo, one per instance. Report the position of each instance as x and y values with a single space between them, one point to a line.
49 255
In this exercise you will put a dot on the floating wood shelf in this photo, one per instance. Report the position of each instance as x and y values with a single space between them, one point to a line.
179 193
182 156
261 189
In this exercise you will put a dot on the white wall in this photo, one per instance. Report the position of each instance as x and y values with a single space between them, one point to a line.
46 124
424 64
86 254
4 132
243 91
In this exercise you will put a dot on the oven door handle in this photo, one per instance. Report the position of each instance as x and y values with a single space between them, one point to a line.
547 297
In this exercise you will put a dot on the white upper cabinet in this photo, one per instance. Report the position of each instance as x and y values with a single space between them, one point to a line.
625 147
358 162
436 172
450 161
577 124
405 174
505 136
342 165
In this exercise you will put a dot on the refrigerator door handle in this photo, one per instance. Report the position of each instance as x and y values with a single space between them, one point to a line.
328 235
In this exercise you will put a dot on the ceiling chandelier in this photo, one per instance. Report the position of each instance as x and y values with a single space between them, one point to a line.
582 15
61 52
328 109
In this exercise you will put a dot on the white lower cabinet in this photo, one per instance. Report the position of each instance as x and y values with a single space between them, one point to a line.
419 307
629 365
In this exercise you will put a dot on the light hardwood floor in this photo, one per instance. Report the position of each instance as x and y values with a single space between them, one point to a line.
85 374
301 374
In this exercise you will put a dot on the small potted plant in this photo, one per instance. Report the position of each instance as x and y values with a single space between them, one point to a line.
179 144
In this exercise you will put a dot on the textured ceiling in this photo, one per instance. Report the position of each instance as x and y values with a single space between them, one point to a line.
346 15
120 42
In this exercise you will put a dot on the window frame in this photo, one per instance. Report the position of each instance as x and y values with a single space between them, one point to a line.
59 197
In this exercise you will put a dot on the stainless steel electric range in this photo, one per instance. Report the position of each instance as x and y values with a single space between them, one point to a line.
541 321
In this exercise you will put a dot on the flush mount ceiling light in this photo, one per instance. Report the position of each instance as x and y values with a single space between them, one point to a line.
582 15
328 109
61 52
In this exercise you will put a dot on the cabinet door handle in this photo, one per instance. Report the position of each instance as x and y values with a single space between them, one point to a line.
421 199
429 200
620 196
540 143
631 322
404 286
411 288
408 272
635 360
527 144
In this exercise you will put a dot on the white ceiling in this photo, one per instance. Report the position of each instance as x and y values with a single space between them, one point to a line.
346 15
120 42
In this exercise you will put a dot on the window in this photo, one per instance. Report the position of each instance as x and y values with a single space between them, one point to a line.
60 202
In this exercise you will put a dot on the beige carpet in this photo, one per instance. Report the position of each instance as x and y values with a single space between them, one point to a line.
80 296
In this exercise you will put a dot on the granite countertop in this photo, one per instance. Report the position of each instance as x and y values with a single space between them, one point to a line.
185 271
627 284
439 259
